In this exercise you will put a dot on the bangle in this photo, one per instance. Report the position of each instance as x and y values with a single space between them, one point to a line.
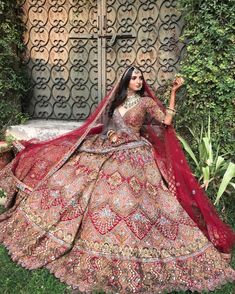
110 133
170 111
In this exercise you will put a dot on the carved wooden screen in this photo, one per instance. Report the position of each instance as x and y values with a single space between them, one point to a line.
78 48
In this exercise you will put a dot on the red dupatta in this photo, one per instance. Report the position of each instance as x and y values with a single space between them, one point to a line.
182 183
168 155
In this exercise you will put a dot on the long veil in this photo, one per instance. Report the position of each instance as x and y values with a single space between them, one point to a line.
53 154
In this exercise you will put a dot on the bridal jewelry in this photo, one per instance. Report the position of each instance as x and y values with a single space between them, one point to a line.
135 71
131 101
170 111
110 133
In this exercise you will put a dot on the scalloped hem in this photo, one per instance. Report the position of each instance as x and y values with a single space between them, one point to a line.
61 269
192 283
167 289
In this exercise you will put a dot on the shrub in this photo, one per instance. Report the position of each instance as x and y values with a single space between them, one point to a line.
209 69
13 77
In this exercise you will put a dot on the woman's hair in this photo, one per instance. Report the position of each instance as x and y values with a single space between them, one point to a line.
121 92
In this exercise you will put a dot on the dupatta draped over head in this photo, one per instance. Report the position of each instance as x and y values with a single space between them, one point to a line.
168 155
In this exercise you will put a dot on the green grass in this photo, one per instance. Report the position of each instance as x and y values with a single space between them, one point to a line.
16 280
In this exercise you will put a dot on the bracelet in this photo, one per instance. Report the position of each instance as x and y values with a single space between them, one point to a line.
110 133
170 111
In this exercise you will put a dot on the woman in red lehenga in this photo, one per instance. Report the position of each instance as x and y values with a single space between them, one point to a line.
114 205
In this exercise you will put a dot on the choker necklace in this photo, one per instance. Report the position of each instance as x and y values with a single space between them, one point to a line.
131 101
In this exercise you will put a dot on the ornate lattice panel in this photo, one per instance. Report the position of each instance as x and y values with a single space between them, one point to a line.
78 48
153 43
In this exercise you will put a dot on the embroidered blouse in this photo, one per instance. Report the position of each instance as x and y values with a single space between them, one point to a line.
127 127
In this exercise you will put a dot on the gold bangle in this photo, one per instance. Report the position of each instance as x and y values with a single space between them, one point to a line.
172 109
110 133
170 112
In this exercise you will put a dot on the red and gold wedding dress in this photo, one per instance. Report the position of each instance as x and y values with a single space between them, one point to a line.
110 216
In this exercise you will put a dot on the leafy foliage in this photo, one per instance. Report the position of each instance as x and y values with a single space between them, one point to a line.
209 71
211 167
209 68
13 78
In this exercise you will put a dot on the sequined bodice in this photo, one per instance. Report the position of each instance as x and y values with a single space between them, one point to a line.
134 118
131 121
127 127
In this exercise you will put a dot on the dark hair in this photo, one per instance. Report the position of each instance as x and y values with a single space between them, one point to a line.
121 92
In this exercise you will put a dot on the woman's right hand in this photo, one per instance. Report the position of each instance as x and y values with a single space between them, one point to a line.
178 82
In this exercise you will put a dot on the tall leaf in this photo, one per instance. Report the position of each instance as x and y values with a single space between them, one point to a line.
228 175
206 176
219 161
189 150
208 150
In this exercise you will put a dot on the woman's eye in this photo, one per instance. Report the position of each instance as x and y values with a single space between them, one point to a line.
133 78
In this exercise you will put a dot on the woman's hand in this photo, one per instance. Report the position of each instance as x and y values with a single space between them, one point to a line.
170 111
113 138
178 82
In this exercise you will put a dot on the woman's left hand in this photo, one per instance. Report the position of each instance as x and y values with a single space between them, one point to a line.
113 138
178 82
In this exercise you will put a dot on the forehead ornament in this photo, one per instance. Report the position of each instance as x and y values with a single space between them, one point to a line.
136 71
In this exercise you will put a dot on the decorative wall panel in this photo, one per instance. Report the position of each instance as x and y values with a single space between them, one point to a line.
154 28
78 48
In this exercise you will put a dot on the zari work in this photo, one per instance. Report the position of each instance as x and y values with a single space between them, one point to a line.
106 220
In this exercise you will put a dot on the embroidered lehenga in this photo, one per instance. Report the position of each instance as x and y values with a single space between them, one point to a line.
107 217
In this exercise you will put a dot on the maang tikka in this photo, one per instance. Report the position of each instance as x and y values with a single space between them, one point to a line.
135 71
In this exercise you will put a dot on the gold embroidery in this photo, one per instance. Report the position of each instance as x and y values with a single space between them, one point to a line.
135 185
147 253
115 179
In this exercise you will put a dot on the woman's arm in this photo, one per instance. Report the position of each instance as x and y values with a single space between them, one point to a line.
155 112
170 111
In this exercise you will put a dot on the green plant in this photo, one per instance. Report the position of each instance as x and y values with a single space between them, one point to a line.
9 139
3 193
14 81
211 167
208 68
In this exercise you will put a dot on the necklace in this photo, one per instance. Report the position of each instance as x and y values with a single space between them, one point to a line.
131 101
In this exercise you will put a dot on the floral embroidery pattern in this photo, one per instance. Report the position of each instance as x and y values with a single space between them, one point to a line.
106 220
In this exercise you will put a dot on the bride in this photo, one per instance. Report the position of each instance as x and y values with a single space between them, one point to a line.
113 205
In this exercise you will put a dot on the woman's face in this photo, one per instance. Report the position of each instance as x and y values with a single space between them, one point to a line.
136 81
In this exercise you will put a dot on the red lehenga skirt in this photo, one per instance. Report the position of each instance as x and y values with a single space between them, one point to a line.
106 220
